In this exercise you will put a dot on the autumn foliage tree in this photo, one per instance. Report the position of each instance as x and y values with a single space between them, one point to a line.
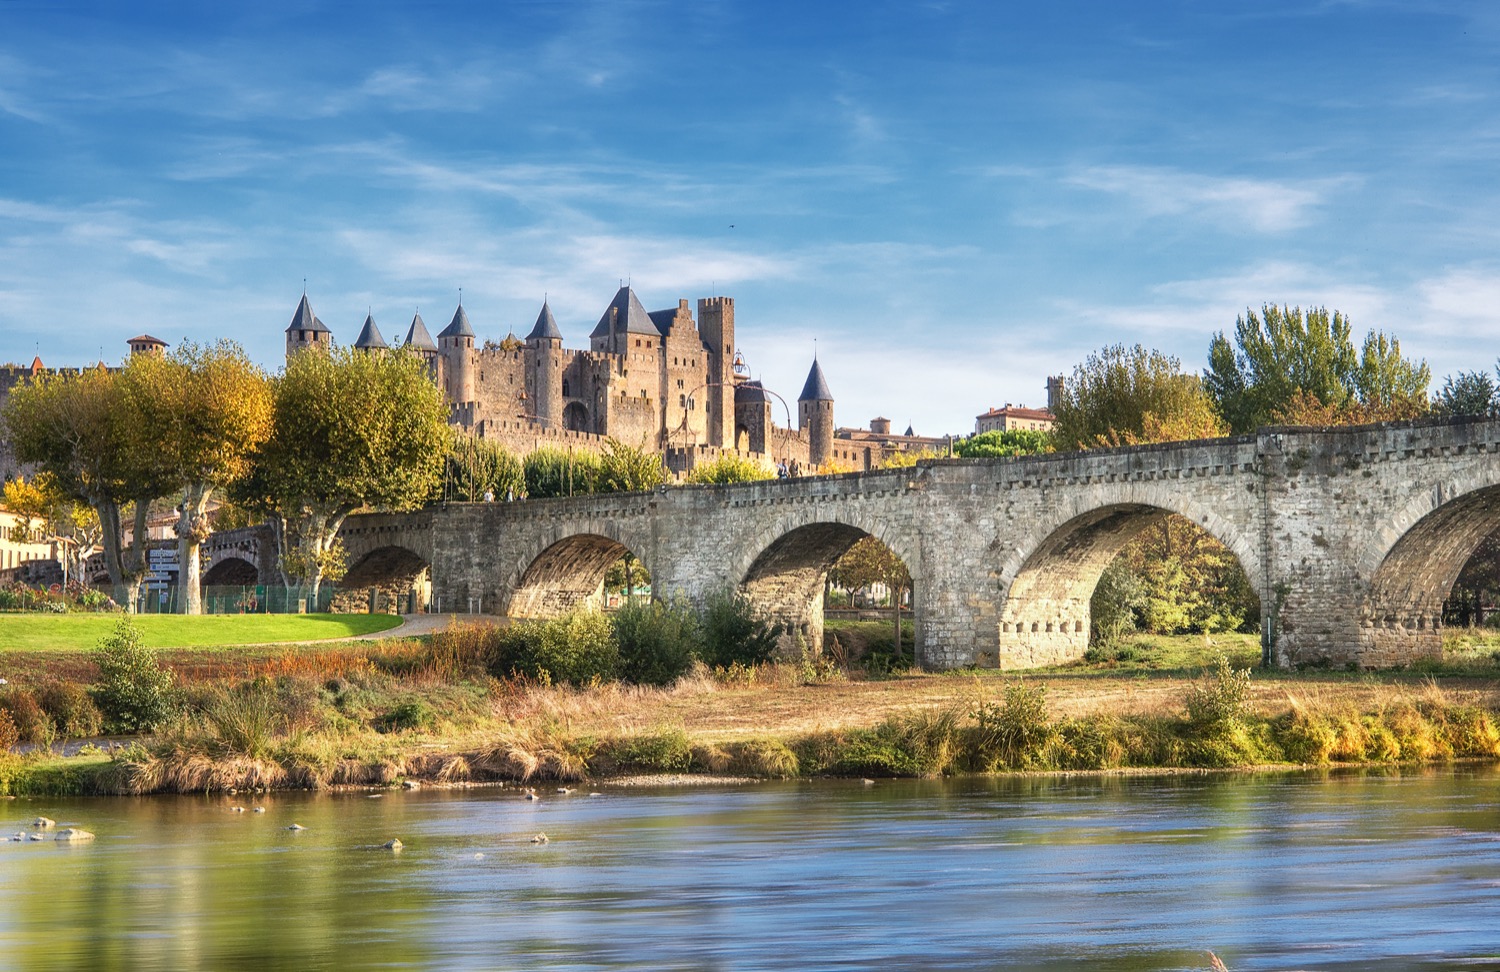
206 410
871 562
44 512
1130 396
350 430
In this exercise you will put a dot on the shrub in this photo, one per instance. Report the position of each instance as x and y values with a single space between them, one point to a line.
732 633
245 720
135 691
31 722
657 641
1220 700
72 712
553 472
414 714
729 469
578 648
663 751
9 736
1013 732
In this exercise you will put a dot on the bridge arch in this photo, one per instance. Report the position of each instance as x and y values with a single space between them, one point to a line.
232 572
1412 563
783 568
390 577
568 573
1048 581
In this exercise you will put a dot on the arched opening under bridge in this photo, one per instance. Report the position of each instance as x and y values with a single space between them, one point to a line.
390 579
568 575
1115 571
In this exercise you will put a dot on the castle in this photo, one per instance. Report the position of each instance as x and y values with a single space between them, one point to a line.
661 380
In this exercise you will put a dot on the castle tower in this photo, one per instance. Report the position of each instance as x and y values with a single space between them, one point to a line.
815 416
716 328
146 344
306 331
456 345
545 342
369 336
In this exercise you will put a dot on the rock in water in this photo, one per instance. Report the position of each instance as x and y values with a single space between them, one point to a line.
410 784
73 833
42 823
236 809
260 810
540 839
296 827
393 844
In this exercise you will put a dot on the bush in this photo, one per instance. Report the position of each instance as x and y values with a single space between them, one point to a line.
666 750
407 716
1220 701
657 641
732 633
578 648
31 723
245 720
135 691
73 713
729 469
553 472
9 736
1014 732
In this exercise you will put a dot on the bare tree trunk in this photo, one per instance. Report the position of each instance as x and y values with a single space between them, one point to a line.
192 530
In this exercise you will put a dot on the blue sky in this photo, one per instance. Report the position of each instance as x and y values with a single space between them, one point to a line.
954 199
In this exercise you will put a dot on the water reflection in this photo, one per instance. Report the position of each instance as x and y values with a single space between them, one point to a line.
1315 870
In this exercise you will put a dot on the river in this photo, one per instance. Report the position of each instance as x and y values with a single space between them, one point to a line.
1397 869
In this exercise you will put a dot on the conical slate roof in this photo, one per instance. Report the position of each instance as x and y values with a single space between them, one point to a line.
369 335
546 326
304 319
459 326
417 337
816 389
630 316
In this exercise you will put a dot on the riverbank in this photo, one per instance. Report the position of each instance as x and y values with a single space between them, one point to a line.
384 712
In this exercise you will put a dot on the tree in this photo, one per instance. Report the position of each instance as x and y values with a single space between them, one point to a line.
45 512
1004 443
554 472
629 469
1128 396
871 562
84 431
1285 365
206 409
729 468
477 466
349 430
1467 393
906 458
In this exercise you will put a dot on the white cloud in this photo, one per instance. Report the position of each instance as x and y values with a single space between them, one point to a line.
1261 205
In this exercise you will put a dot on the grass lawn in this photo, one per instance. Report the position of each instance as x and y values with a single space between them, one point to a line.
81 632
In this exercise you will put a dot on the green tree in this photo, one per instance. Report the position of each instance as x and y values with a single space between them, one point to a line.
1005 443
555 472
477 466
350 430
871 562
82 429
1127 396
206 409
134 691
729 468
629 469
1286 366
1466 393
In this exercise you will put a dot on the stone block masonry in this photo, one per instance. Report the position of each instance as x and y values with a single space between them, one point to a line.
1352 537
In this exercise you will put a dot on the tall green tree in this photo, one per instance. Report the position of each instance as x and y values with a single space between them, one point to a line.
1287 366
349 431
1127 396
999 443
206 409
478 466
82 429
1466 393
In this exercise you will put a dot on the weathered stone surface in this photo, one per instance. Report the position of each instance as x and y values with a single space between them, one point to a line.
73 834
1352 537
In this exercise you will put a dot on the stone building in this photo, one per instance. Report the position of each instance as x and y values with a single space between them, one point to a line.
665 380
1013 417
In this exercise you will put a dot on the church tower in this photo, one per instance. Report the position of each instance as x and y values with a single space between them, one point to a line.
815 416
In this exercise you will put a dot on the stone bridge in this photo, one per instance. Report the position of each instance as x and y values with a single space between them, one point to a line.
1352 537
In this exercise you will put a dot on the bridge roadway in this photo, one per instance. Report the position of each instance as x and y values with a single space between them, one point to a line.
1352 538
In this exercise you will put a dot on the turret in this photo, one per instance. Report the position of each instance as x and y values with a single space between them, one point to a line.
369 336
815 416
545 343
456 345
306 331
716 328
146 344
419 342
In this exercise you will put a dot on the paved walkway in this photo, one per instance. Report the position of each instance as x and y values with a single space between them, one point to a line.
416 625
